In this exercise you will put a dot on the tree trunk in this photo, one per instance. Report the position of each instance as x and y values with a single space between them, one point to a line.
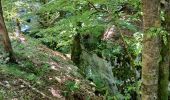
18 28
5 38
76 49
151 50
164 67
164 73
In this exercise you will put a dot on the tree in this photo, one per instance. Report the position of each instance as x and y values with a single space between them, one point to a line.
5 37
76 49
151 49
165 53
76 46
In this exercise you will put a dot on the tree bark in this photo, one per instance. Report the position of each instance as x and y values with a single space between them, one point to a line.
164 65
151 50
76 49
164 73
5 37
18 28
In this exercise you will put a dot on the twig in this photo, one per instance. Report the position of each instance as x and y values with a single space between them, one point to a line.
34 89
98 10
4 85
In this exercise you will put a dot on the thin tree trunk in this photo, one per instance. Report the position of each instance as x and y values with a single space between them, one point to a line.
164 67
164 73
151 50
5 38
18 28
76 49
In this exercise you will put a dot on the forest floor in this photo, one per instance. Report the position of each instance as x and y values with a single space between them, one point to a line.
42 74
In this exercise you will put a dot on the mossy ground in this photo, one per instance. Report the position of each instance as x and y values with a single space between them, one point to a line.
41 74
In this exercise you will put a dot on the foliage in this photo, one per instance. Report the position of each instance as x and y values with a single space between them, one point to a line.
156 32
72 86
55 23
27 68
63 16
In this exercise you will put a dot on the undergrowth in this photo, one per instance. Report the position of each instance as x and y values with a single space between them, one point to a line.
44 70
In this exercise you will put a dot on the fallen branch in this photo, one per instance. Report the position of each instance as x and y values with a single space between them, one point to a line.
4 85
34 89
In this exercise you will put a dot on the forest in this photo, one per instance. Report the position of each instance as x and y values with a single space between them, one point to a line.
84 49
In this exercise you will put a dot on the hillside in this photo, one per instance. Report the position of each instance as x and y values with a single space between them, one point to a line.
41 74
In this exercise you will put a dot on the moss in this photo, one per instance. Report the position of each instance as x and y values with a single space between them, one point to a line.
76 50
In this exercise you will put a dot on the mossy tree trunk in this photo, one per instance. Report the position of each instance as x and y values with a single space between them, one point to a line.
164 73
18 28
76 49
5 38
164 65
151 50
